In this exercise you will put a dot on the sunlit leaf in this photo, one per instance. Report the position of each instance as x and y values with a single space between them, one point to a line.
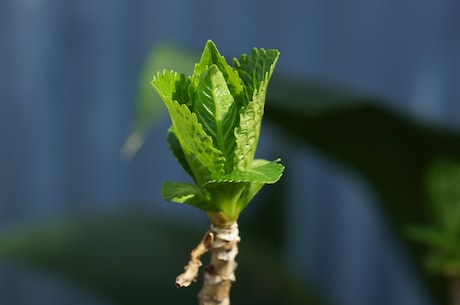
255 71
205 161
211 56
268 172
177 151
216 110
216 126
190 194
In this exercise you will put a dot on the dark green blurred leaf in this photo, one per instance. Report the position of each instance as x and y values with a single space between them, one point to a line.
443 183
435 237
443 256
390 150
134 259
149 106
442 234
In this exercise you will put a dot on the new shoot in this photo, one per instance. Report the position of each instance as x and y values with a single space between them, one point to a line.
216 116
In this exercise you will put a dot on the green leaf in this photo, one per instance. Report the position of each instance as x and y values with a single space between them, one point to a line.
211 56
216 111
233 192
171 86
181 192
205 161
263 172
247 134
187 193
248 194
177 151
255 71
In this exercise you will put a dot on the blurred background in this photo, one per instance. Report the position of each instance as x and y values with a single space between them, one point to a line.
70 80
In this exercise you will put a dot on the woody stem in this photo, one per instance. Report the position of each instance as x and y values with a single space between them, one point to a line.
220 273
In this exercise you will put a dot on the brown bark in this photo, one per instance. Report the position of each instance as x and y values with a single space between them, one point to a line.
220 273
191 269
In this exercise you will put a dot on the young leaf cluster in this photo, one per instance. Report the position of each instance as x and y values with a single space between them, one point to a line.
216 116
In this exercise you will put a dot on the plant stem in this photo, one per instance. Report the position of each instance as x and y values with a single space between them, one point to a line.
219 274
455 290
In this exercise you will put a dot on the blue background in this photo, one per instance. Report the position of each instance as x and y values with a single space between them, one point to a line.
68 80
